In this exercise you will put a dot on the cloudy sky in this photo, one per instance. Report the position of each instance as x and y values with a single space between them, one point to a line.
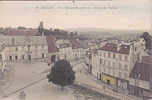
115 14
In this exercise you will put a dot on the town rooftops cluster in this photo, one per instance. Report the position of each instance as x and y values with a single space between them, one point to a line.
53 47
20 32
75 44
143 69
22 40
117 48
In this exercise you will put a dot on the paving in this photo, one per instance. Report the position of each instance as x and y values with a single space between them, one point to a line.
31 78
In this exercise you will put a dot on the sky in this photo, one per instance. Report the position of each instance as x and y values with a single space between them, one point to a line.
115 14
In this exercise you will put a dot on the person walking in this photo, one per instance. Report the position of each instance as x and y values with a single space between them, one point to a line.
22 95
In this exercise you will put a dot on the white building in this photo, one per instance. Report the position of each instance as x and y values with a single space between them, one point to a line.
22 48
65 51
70 49
113 63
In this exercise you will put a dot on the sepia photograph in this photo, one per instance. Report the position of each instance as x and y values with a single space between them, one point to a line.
76 50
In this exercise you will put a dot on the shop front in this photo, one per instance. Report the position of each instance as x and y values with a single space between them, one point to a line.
108 79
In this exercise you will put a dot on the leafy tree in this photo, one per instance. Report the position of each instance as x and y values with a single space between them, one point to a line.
21 27
61 74
148 38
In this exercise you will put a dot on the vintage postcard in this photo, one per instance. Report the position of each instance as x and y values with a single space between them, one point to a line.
76 50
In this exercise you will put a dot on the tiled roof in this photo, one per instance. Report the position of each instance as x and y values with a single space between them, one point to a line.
75 44
51 44
22 40
147 59
65 45
147 94
23 32
124 49
112 47
142 71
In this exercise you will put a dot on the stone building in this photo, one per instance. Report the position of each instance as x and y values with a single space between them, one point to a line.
22 48
53 54
141 78
113 62
70 49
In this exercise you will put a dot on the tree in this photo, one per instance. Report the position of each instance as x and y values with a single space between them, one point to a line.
21 27
148 39
61 74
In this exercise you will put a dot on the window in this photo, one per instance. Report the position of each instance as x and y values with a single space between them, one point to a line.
126 58
36 46
124 85
29 57
126 67
109 54
16 57
105 62
28 47
119 83
10 57
120 65
120 57
0 56
101 54
42 55
125 75
23 57
120 74
109 63
101 61
42 46
104 54
114 56
113 64
16 49
104 70
135 48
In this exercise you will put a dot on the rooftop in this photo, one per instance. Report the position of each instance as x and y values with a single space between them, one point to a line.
21 32
112 47
143 69
51 40
75 44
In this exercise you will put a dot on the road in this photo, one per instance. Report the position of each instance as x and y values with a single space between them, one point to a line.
31 77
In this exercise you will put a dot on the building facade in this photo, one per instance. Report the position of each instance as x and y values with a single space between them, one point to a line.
22 48
113 62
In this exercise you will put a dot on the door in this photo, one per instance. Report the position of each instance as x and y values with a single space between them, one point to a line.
53 58
29 57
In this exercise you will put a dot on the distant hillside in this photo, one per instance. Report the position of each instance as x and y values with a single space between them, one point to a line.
103 33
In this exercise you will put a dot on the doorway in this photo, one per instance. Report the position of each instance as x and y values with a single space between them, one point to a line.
53 58
108 82
29 57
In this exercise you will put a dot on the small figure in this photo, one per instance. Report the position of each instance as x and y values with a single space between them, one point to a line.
22 95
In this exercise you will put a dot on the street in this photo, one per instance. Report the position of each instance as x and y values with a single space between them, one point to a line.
31 77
